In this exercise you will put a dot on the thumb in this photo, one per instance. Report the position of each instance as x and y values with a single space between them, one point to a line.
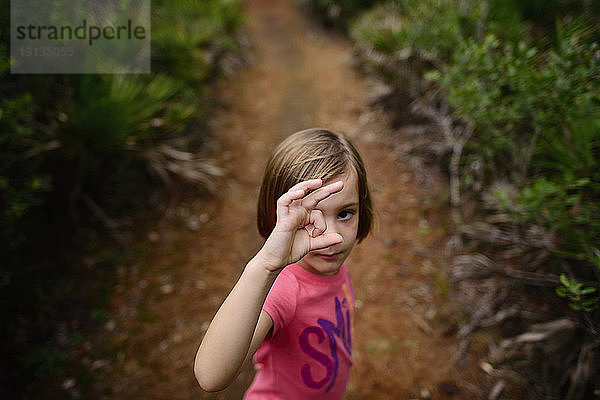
324 241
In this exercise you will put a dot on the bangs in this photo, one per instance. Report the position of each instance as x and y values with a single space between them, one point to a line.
325 167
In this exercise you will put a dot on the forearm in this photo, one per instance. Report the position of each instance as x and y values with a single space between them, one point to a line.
228 338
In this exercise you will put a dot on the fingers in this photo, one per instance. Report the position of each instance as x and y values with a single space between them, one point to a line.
298 191
317 220
287 198
310 184
309 202
324 241
315 197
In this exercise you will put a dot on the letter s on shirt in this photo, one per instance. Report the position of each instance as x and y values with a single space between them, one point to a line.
321 358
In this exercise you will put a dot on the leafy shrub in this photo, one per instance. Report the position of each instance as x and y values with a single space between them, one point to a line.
519 106
430 28
190 33
537 126
77 152
580 298
20 188
523 78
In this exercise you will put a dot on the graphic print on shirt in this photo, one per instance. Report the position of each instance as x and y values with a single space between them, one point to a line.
341 330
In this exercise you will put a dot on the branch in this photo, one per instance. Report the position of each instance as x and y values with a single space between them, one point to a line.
108 223
456 137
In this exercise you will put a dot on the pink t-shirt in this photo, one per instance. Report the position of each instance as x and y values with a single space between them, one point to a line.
309 352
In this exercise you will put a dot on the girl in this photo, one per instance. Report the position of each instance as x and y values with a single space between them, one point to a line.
293 304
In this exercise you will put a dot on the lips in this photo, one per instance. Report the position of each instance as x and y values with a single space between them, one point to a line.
329 257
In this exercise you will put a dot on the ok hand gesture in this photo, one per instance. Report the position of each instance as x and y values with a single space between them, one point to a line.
300 227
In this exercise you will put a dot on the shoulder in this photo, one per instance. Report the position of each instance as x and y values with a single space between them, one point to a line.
286 280
282 299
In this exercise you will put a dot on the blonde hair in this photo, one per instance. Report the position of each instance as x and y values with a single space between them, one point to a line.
309 154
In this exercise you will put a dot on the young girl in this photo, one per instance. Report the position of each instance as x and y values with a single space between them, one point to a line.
293 304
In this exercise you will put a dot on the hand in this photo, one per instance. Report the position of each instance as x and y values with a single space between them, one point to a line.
299 228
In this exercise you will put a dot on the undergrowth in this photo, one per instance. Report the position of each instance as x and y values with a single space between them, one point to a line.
80 155
511 93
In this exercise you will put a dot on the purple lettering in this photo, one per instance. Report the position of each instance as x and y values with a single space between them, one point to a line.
333 331
321 358
341 330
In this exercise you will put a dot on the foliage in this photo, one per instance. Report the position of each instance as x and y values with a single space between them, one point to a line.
519 106
193 33
19 186
535 112
578 296
430 28
538 127
338 13
537 118
525 76
77 153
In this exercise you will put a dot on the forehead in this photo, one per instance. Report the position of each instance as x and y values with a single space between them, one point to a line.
348 195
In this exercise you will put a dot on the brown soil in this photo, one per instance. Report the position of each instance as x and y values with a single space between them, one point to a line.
405 339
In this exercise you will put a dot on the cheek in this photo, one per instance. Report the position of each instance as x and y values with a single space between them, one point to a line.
350 231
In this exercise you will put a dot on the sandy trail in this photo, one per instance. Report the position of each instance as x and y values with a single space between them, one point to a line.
301 77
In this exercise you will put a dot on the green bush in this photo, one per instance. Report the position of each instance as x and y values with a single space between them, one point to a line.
19 186
518 105
189 37
524 76
77 153
538 126
428 28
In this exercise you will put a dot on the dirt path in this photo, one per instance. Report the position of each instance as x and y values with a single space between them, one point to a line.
302 77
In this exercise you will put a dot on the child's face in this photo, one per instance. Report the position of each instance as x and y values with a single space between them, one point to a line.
340 211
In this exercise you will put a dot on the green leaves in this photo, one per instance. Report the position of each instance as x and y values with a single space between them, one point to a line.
527 77
580 298
77 151
429 28
108 111
188 37
538 126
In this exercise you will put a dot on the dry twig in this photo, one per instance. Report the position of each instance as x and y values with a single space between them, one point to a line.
456 134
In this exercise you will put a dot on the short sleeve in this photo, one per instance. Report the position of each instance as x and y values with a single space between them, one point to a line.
281 301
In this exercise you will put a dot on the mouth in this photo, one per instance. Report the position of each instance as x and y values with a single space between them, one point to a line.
329 257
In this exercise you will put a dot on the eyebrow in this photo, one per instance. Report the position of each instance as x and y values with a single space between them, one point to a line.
349 205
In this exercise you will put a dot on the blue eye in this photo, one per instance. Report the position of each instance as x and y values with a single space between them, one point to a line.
345 215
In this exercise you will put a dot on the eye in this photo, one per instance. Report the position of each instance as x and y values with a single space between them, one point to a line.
345 215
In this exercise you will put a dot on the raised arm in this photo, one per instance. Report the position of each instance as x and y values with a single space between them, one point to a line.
227 341
240 325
